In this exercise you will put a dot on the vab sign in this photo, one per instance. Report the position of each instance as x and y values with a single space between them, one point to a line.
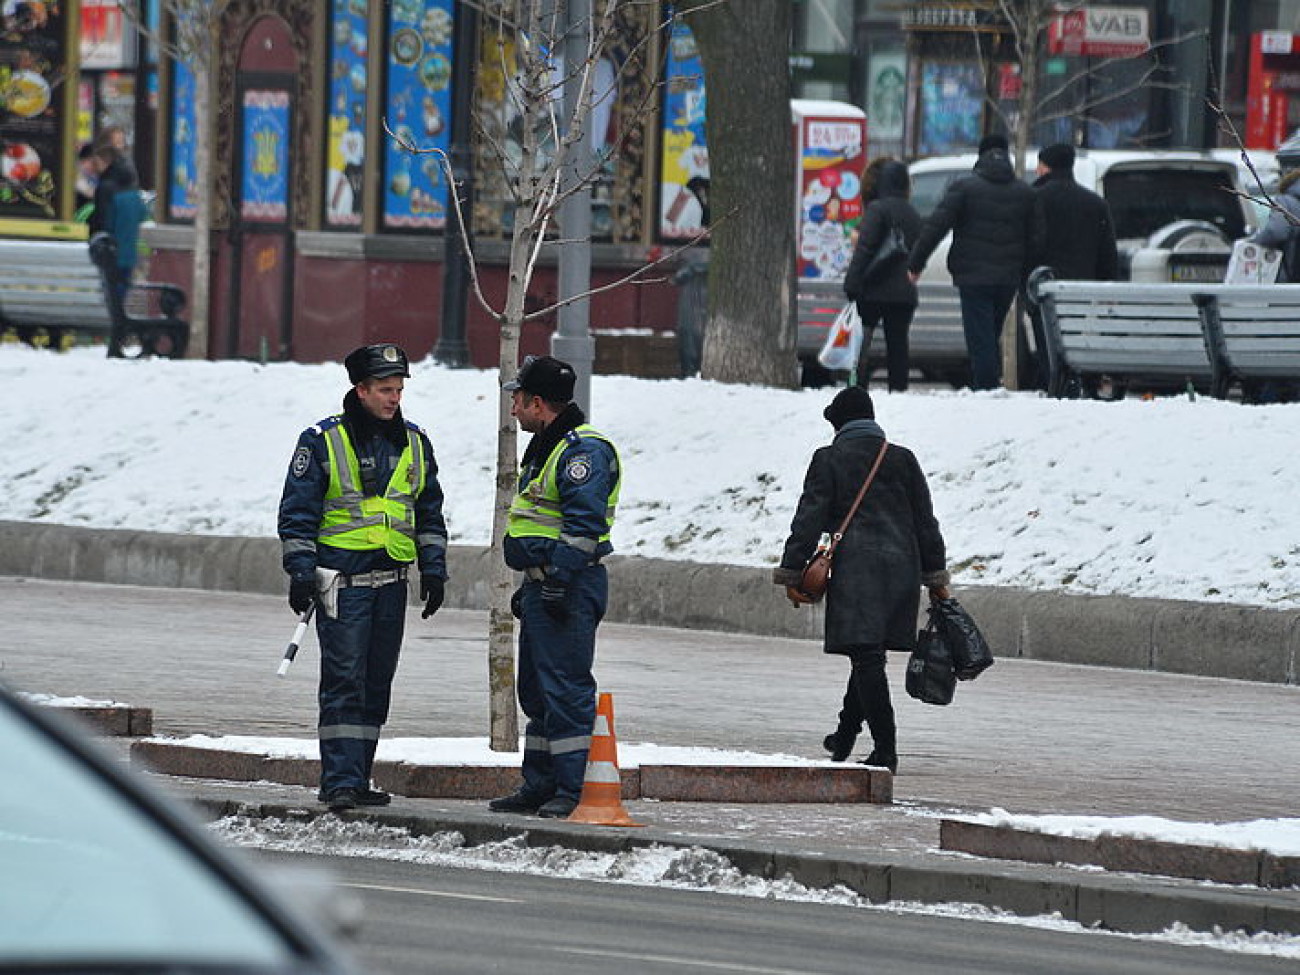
1107 32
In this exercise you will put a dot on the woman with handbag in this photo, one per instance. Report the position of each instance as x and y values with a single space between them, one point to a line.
889 547
877 280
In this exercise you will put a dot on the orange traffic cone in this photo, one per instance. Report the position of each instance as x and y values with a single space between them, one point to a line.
602 786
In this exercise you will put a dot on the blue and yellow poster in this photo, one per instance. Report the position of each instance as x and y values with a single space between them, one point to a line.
346 157
684 185
182 182
418 111
264 185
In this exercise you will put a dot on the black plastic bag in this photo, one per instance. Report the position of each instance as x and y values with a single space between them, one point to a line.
969 650
930 677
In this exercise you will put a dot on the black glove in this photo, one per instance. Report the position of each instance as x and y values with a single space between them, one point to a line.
554 595
301 593
517 603
431 591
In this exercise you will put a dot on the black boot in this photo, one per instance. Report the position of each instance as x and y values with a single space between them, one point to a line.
879 759
839 744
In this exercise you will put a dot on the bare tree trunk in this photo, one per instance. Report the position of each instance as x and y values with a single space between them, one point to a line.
200 304
744 48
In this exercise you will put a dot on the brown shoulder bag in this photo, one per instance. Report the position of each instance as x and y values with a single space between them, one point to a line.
817 573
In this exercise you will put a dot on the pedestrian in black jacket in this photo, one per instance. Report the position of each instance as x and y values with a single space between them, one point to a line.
891 548
887 298
1079 239
997 230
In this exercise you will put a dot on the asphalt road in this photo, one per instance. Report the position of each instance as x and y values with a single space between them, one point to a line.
421 919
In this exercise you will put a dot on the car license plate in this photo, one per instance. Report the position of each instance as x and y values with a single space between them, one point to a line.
1198 273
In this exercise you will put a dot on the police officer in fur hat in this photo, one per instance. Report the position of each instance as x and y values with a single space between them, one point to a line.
361 506
557 534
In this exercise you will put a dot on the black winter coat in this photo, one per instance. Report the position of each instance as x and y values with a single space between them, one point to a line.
892 546
889 208
1079 241
996 224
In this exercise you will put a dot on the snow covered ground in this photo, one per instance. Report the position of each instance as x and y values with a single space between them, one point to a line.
1172 498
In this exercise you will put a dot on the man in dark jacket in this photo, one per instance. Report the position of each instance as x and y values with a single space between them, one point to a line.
119 210
997 229
1079 240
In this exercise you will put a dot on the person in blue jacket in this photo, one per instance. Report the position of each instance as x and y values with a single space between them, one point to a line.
557 534
361 504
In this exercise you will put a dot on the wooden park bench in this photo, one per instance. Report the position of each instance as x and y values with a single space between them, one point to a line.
1129 332
52 291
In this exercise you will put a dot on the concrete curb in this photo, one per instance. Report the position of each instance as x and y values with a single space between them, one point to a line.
1125 854
114 721
1206 639
1116 903
677 783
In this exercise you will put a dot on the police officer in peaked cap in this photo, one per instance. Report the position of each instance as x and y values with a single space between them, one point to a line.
361 506
556 535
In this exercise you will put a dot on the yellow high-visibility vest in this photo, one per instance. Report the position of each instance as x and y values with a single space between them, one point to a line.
535 511
353 521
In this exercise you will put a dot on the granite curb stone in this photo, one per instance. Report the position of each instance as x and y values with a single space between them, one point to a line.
1207 639
689 783
1114 902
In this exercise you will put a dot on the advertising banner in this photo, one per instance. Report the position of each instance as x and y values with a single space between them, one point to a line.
108 40
684 186
182 181
345 160
418 109
952 107
31 124
264 186
832 155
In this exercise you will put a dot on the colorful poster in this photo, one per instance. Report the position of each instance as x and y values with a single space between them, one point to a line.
832 155
952 108
31 126
182 181
684 184
346 157
264 183
418 109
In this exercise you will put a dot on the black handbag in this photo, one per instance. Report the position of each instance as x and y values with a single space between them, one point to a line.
970 652
930 677
892 250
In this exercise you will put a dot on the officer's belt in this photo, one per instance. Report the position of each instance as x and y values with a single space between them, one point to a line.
373 580
538 574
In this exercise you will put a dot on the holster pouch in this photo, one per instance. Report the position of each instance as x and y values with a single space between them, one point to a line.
327 591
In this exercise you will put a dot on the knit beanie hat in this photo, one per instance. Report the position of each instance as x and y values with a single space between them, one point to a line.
851 403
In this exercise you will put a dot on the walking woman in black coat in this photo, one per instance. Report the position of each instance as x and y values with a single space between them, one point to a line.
891 548
889 297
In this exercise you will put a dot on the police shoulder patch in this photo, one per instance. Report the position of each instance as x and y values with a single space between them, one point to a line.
578 468
301 460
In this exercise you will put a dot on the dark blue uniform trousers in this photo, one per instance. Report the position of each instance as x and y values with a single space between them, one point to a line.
359 652
556 688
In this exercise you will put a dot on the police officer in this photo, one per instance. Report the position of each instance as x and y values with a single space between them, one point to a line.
361 503
557 533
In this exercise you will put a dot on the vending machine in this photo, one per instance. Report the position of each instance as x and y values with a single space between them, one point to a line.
1273 83
830 140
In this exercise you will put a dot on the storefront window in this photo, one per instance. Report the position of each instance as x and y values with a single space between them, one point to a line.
182 180
346 156
417 110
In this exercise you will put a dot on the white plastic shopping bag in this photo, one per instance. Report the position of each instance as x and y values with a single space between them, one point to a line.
1252 264
843 341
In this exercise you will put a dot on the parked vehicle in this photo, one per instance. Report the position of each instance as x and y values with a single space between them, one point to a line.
101 873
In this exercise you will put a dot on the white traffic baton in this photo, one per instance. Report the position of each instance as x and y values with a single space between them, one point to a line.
299 632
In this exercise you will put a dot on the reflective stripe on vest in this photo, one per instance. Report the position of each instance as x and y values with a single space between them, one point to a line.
535 511
353 521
